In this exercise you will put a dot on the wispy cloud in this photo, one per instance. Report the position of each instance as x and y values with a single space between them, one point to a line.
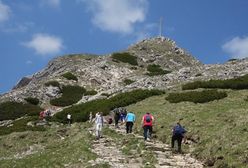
237 47
4 12
17 27
45 44
51 3
117 15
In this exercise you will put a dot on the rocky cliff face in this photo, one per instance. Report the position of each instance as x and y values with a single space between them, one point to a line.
104 75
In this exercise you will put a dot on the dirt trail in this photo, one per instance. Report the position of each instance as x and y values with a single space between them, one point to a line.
109 152
165 157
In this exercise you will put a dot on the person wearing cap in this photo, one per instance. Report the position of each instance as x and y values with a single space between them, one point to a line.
130 119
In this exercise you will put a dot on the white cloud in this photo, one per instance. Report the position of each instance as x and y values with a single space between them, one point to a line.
51 3
237 47
44 44
117 15
4 12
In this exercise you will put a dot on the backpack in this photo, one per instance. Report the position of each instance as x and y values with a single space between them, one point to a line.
148 118
179 130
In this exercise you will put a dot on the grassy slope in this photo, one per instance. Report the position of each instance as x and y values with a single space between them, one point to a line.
221 126
51 150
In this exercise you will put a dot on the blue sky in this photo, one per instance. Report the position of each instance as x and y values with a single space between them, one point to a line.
32 32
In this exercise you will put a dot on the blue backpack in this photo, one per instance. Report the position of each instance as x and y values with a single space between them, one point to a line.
148 118
179 130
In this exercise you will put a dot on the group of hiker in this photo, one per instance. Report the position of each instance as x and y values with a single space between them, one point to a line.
129 118
44 114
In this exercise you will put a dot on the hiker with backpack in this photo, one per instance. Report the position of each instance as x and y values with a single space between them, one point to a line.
178 133
123 114
130 119
147 122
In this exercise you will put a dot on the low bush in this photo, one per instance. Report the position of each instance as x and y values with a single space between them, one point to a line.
70 95
199 74
232 59
90 92
125 57
196 97
13 110
128 81
154 70
106 94
81 112
52 83
32 100
20 126
236 83
70 76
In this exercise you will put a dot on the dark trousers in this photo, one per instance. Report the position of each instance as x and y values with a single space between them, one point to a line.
146 129
129 126
116 121
177 138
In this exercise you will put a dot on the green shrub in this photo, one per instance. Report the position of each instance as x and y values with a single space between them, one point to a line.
196 97
125 57
154 70
52 83
128 81
70 95
70 76
20 126
32 100
232 59
106 94
236 83
13 110
81 112
199 74
91 92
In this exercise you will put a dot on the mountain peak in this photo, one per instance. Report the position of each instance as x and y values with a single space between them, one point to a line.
163 51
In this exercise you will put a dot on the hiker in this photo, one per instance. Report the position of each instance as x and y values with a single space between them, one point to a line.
130 119
41 116
178 133
69 119
147 121
116 117
47 112
123 114
99 125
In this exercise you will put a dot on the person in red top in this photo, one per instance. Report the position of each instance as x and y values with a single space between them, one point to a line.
41 115
147 121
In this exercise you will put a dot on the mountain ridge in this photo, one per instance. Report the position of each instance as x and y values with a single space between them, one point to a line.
106 75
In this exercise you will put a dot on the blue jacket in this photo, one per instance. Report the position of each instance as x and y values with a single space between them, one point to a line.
130 117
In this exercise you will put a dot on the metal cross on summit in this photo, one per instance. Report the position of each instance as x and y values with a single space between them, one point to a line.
160 26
